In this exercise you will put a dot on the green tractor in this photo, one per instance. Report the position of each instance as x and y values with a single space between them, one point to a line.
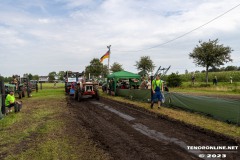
20 86
27 85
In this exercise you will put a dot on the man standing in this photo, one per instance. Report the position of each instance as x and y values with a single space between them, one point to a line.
157 87
10 101
193 79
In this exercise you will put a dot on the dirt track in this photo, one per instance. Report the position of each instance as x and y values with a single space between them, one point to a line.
127 133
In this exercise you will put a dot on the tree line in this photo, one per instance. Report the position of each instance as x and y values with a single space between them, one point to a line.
210 55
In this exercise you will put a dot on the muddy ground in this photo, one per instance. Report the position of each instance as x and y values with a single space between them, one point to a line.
126 132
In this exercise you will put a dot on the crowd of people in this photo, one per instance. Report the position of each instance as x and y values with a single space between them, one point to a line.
157 86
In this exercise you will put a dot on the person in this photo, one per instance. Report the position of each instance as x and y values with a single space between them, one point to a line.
10 101
149 83
193 79
215 80
231 79
157 87
36 86
166 88
143 84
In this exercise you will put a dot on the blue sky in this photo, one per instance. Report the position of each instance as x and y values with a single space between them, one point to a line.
41 36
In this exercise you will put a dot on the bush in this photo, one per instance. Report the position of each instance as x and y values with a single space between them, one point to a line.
174 80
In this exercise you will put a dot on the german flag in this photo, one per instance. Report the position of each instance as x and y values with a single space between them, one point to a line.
106 55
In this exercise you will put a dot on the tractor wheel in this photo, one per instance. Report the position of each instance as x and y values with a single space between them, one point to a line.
79 97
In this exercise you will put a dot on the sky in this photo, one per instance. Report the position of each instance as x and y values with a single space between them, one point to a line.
41 36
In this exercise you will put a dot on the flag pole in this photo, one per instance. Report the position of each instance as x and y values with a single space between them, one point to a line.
109 58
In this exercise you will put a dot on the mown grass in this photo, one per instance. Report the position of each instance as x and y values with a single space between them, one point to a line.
40 130
186 117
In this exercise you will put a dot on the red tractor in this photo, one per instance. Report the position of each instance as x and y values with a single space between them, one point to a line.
86 90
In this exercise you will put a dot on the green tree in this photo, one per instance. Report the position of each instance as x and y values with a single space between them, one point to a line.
145 65
61 75
213 69
52 76
95 68
174 80
210 54
231 68
8 79
35 77
116 67
28 75
105 71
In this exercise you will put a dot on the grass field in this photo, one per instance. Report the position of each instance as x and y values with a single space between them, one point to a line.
40 131
187 117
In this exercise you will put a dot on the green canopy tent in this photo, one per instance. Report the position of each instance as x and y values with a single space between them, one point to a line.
121 75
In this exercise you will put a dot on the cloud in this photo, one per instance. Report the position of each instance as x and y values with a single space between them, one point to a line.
67 34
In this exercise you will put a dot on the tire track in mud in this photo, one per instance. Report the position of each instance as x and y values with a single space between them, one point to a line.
126 133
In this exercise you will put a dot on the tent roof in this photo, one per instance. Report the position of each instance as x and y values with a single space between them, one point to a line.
123 74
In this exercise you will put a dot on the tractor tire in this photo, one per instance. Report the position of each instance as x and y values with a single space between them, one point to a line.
79 97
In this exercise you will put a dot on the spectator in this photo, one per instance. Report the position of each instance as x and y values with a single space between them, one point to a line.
143 85
193 79
166 88
157 88
10 101
149 83
215 80
36 86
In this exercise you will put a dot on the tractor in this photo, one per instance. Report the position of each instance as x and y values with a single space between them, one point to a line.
71 79
86 90
27 86
16 86
19 86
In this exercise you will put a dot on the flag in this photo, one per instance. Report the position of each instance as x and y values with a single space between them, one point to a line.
106 55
